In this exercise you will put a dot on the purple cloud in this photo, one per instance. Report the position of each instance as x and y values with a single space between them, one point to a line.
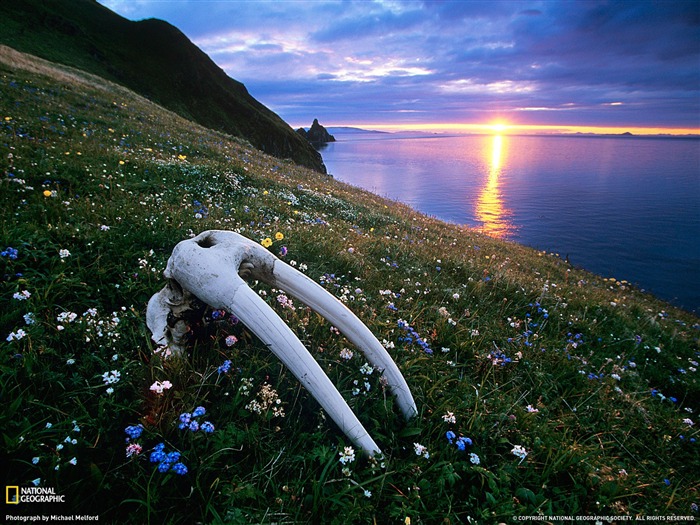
631 63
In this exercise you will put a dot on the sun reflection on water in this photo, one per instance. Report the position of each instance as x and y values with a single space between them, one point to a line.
489 210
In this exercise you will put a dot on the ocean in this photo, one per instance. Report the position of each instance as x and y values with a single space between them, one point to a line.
623 206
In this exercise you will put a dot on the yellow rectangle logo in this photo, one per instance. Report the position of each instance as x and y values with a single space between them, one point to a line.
9 499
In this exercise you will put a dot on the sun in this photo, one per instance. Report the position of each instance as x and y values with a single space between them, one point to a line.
498 127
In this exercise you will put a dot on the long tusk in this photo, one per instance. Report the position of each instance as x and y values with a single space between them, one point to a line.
259 317
305 289
208 266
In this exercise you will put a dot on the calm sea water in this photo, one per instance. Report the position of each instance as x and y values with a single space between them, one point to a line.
623 207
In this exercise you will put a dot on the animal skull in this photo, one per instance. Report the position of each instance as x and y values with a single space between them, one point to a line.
209 269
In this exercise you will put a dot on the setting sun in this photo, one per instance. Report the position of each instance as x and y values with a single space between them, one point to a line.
498 127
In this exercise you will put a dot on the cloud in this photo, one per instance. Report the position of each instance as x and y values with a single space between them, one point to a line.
447 60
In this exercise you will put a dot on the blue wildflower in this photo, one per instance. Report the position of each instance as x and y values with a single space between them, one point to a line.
185 419
134 431
462 443
10 253
207 427
163 466
157 456
194 426
225 367
172 457
180 469
450 436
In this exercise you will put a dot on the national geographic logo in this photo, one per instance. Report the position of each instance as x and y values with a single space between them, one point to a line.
14 495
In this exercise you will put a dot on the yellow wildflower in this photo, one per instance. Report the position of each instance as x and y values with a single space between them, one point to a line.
121 162
182 157
266 242
279 236
47 193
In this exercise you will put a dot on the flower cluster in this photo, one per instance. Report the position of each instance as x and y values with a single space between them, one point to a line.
267 399
158 387
189 421
421 450
413 336
10 253
347 455
225 367
520 452
460 442
167 461
133 432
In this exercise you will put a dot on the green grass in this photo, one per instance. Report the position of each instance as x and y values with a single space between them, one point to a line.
154 59
92 169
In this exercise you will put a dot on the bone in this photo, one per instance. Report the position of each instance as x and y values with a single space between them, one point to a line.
208 268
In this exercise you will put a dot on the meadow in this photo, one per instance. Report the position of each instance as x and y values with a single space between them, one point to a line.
541 389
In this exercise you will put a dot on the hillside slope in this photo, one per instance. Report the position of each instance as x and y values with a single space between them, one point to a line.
154 59
542 389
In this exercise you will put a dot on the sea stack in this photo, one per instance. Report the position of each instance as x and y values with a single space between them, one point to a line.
316 133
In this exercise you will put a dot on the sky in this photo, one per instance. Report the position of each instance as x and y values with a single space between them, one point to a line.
462 65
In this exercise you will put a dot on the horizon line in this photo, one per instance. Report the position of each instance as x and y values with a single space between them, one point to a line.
502 128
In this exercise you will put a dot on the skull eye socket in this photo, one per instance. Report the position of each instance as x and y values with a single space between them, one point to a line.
206 242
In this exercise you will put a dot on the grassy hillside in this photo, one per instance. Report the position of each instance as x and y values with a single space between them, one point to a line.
154 59
569 393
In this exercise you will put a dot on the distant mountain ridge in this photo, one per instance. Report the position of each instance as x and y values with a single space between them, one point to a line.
154 59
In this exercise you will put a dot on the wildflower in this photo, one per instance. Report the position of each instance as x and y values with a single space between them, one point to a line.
688 422
157 455
462 442
193 426
531 409
346 354
47 193
185 419
449 417
368 494
199 411
19 334
159 387
133 449
421 450
134 432
111 377
266 242
73 461
35 460
283 251
10 253
347 455
367 369
104 228
36 482
450 436
63 253
110 390
474 459
22 296
225 367
231 340
179 469
207 427
29 318
279 236
520 452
